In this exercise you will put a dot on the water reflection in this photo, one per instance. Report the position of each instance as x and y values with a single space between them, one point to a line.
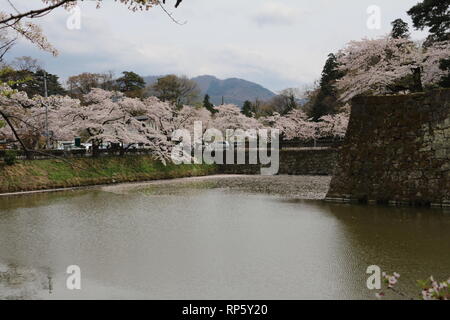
414 242
17 283
218 238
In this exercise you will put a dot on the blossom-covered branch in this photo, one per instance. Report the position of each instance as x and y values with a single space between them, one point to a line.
388 65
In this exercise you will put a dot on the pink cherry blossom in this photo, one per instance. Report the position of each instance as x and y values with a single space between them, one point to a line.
373 65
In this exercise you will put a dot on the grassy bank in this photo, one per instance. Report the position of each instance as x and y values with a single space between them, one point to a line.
51 174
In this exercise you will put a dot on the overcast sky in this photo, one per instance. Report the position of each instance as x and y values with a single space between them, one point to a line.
276 43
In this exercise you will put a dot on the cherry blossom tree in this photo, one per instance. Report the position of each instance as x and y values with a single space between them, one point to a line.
14 106
230 117
294 125
334 125
433 56
27 118
110 117
107 117
234 125
188 115
378 66
10 32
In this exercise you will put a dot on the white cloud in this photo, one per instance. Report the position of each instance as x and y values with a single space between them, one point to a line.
276 43
274 13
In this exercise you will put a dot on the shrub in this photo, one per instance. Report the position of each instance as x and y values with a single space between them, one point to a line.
10 157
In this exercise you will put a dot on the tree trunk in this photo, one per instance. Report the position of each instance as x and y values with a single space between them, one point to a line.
95 149
417 80
28 154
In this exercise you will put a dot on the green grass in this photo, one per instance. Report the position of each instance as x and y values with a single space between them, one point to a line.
45 174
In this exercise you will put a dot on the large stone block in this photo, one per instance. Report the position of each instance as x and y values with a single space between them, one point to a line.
397 147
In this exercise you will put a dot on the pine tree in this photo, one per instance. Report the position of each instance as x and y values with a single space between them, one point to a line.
400 29
432 14
208 105
131 84
32 82
247 109
326 101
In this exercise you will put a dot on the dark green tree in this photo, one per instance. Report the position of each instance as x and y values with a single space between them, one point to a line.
247 109
131 84
435 15
36 85
177 90
15 79
445 81
208 105
326 101
32 82
330 74
400 29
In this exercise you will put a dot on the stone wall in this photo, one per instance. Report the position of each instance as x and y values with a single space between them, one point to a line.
313 161
397 151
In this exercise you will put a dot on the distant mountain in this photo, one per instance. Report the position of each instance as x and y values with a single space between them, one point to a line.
151 79
234 90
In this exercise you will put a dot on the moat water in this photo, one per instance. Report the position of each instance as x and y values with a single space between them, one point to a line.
213 238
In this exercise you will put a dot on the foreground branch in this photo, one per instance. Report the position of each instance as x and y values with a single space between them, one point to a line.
14 18
16 135
34 13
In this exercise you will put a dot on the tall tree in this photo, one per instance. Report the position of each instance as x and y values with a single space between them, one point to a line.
131 84
330 74
189 91
32 82
85 82
326 100
208 105
37 87
435 15
388 65
247 109
400 29
176 90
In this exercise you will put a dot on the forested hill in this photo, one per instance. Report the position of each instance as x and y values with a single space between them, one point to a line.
233 90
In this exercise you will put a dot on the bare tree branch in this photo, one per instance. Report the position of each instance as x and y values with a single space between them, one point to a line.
13 18
34 13
170 15
5 47
176 5
16 135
